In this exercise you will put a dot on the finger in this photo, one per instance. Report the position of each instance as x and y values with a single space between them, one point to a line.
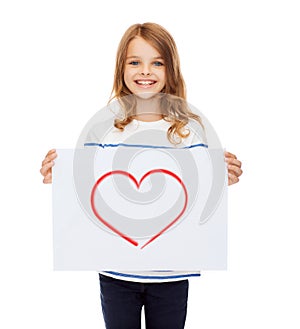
51 152
47 179
49 157
234 162
46 168
229 155
234 170
232 179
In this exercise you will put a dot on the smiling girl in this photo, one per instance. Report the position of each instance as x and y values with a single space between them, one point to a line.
147 66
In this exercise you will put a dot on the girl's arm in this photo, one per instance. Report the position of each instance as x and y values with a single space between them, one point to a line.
234 168
47 165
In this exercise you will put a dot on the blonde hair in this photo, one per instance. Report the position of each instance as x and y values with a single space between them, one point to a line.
173 96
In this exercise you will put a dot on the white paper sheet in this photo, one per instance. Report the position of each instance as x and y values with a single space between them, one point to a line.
165 209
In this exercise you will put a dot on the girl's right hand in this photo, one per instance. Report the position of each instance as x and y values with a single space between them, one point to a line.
47 165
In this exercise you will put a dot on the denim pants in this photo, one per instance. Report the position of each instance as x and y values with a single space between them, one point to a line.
165 304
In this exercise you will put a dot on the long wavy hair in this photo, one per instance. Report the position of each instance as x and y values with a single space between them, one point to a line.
173 103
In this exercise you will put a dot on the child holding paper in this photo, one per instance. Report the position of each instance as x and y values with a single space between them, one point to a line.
147 66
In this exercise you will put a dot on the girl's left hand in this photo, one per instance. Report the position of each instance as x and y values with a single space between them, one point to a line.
234 168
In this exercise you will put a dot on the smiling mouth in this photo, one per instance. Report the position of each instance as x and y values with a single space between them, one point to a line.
145 82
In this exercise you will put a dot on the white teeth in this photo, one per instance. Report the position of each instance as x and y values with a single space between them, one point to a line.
144 82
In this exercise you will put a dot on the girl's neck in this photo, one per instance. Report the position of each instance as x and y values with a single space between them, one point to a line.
148 109
148 117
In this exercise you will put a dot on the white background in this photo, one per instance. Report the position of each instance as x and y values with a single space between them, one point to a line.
240 60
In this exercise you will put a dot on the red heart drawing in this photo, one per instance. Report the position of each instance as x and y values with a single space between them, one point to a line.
138 184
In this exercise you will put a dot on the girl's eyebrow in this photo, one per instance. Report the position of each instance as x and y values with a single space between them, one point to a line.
156 57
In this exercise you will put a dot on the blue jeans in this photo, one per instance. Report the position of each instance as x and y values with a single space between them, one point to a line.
122 301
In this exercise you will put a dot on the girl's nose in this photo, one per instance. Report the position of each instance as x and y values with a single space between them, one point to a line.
145 70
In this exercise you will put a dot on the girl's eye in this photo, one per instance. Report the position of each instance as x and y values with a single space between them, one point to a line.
134 63
158 63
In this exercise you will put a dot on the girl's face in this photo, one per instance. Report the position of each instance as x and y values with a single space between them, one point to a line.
144 68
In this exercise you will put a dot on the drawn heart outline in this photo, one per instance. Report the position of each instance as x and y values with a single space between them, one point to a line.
137 184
